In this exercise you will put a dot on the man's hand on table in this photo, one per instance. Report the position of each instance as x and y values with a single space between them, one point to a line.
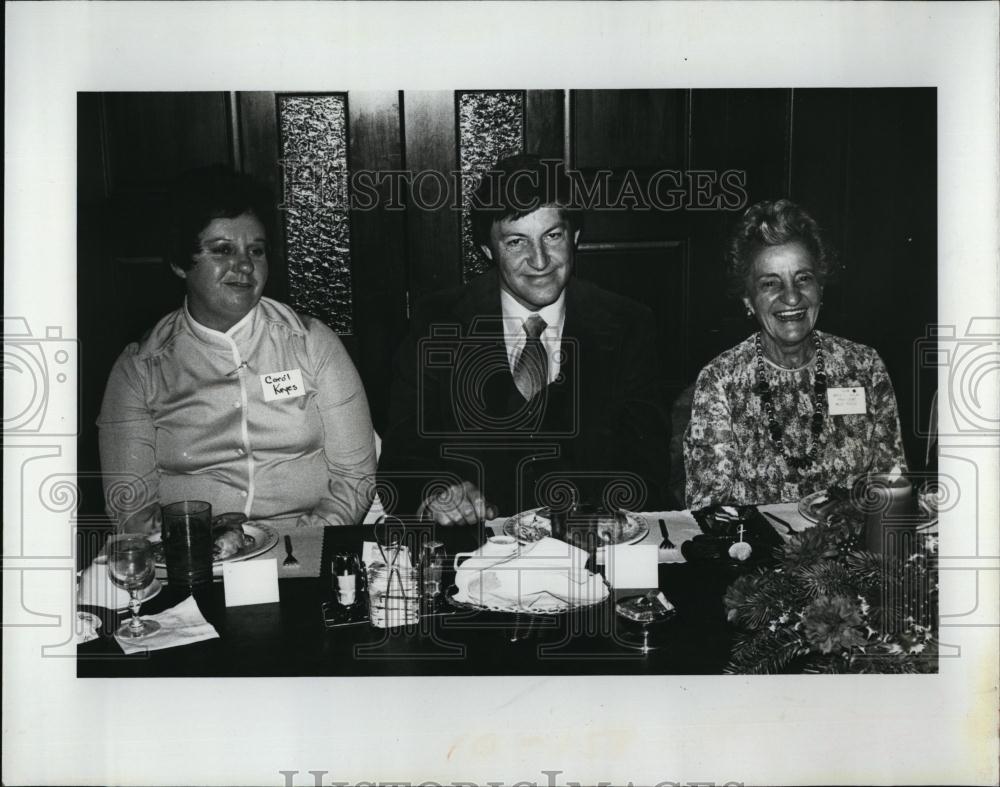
458 504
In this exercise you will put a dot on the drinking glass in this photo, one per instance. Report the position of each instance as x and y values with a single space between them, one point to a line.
188 542
131 566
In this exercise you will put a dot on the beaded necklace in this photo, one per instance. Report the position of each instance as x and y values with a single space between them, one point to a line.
763 389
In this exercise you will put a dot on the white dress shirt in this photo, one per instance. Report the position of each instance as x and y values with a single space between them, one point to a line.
514 317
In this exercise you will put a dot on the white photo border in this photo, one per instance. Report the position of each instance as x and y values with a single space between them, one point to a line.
797 729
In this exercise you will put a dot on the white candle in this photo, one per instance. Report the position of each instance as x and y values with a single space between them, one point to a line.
887 496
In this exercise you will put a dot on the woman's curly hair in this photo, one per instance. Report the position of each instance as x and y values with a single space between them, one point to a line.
773 224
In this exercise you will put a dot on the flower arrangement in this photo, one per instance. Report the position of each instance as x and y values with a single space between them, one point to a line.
830 607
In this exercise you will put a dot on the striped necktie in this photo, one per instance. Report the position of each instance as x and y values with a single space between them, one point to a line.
531 371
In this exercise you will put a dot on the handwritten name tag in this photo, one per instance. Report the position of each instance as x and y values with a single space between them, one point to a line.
846 401
282 385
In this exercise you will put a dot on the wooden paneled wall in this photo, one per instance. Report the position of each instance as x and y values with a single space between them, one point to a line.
862 161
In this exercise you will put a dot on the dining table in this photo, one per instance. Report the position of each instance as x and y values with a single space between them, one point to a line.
299 634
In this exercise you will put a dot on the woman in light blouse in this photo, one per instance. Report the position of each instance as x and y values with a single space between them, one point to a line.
234 398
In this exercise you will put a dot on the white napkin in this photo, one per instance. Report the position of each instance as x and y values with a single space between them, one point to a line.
182 624
86 627
97 590
547 575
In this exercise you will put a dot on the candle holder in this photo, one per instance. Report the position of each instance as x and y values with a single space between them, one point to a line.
889 504
892 515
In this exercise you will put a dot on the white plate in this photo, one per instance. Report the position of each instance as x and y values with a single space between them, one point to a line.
809 502
529 526
264 538
150 591
543 605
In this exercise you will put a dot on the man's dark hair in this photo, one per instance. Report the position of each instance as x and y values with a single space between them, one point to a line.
200 196
517 186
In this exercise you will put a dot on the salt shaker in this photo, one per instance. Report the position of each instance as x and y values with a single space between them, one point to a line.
345 578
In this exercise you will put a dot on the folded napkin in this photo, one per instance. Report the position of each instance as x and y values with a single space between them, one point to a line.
548 575
86 627
96 589
182 624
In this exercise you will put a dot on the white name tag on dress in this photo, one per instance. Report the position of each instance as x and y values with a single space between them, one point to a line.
846 401
282 385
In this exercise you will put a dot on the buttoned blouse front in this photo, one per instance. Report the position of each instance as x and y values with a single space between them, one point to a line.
268 419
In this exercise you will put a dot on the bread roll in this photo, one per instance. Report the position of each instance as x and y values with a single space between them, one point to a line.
229 536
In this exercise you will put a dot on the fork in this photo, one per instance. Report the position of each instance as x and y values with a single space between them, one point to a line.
290 560
666 543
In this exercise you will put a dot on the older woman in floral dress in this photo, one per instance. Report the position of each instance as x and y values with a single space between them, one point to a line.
790 410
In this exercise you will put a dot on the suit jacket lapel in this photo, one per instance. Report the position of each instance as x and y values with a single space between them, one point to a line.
595 333
481 317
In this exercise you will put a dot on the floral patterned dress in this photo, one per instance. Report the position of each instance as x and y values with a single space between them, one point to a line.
729 456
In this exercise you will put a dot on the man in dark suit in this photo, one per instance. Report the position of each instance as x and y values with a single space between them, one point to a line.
526 386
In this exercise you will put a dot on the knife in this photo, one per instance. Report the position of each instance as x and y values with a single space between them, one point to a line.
666 543
780 521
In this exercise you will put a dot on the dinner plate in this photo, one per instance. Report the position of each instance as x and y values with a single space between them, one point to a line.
533 525
809 504
543 605
152 590
259 539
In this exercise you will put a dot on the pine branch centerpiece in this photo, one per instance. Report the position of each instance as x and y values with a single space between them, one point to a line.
832 607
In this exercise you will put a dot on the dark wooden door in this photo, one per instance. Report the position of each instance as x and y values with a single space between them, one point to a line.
130 145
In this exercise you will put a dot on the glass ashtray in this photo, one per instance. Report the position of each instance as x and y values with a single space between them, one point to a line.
643 615
645 609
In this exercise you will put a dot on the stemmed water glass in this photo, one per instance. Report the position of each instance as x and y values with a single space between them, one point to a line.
131 566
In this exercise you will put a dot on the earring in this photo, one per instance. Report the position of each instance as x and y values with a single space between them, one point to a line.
749 312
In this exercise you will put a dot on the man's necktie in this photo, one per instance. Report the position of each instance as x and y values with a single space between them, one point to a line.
531 371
